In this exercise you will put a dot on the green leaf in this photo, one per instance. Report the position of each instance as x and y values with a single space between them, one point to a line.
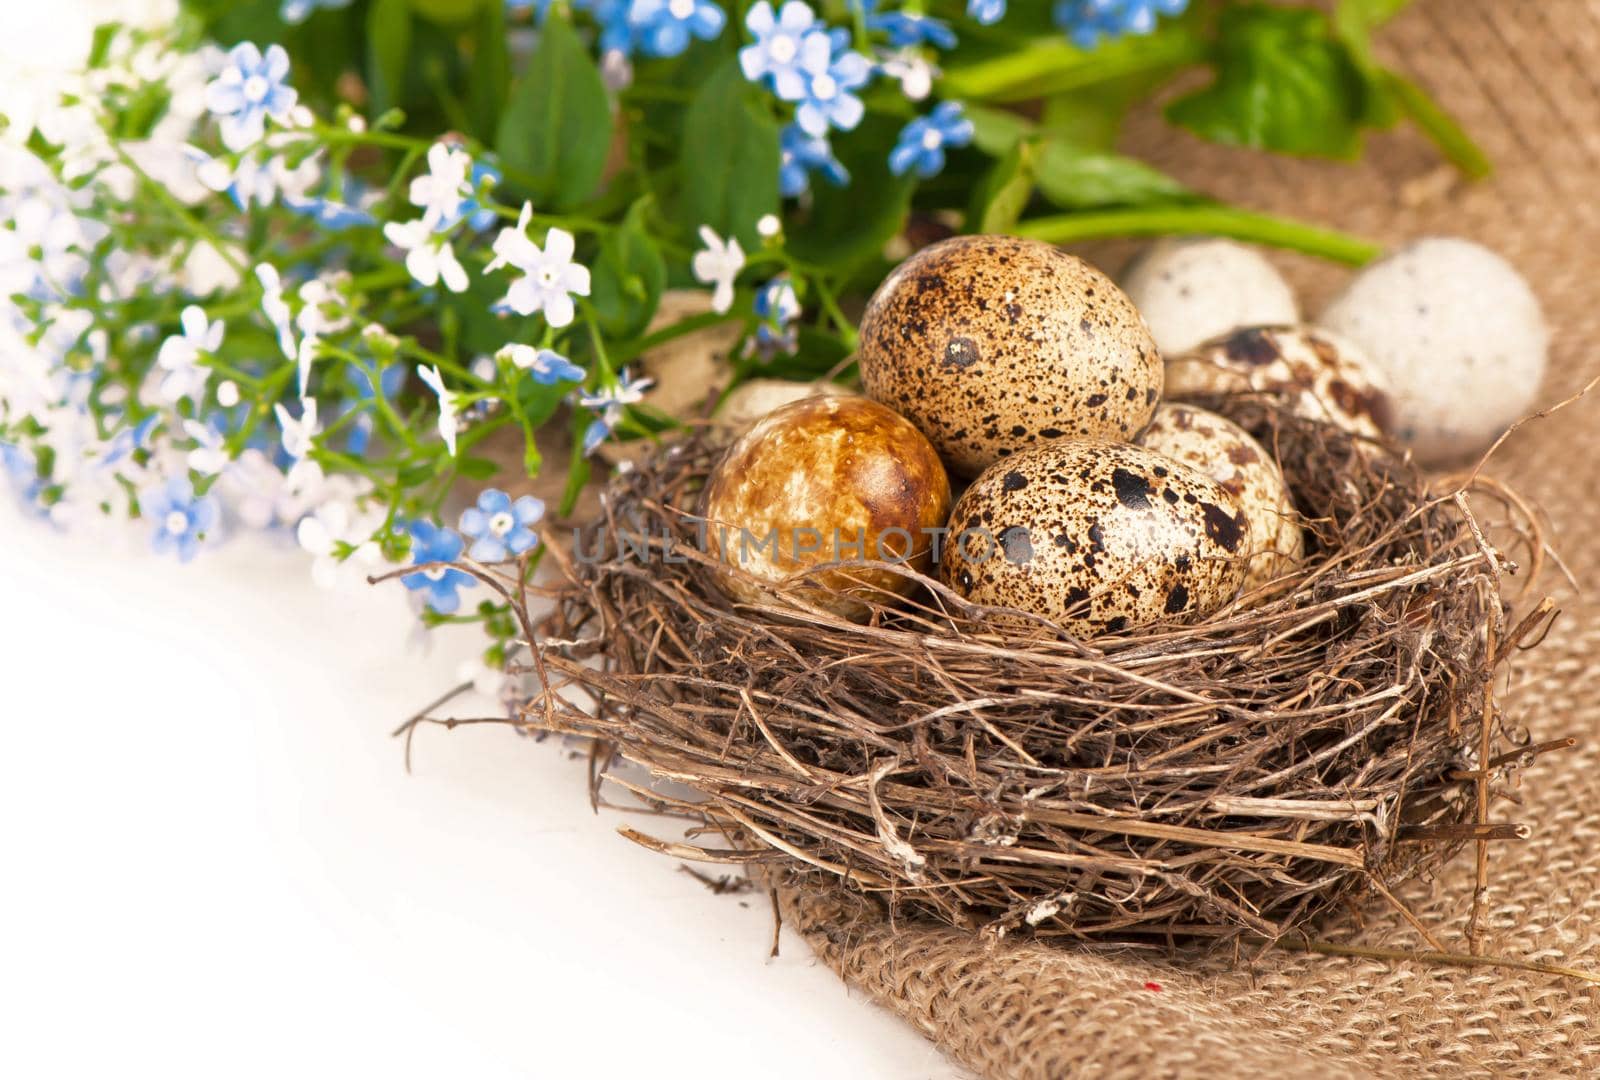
1077 179
555 133
1005 191
388 52
730 158
628 277
476 468
849 225
447 11
488 71
996 131
1284 83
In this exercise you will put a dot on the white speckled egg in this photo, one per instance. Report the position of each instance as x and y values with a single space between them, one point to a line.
755 398
1315 373
1100 537
991 344
1226 452
1460 336
1190 290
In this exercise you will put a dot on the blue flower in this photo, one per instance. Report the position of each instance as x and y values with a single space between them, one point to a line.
478 215
181 519
828 100
334 216
500 528
440 584
986 12
777 306
922 142
547 366
609 404
664 27
803 155
23 469
1089 22
295 12
250 89
780 46
905 28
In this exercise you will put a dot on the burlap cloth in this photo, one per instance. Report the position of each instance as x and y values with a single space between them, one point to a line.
1522 75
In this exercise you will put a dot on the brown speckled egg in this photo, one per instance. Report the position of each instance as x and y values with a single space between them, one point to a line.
825 479
1224 451
1100 537
1317 374
991 344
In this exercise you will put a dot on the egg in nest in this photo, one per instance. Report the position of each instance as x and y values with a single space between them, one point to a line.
1099 537
1226 452
825 479
1314 373
992 344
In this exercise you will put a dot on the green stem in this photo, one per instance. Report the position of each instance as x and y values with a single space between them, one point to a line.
1439 126
196 227
1204 219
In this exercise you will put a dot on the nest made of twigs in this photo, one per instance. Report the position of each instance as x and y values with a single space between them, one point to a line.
1239 773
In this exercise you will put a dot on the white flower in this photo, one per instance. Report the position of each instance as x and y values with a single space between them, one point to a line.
769 226
445 187
336 522
911 69
209 457
449 408
180 354
298 435
310 350
429 256
718 264
550 277
227 393
276 308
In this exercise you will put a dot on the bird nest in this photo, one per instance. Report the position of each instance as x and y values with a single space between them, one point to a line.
1333 732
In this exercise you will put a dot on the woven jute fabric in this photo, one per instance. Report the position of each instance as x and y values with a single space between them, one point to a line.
1524 77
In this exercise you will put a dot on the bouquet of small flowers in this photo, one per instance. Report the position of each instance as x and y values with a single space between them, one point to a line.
297 265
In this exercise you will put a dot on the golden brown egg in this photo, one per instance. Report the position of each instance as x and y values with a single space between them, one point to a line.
825 479
992 344
1317 374
1099 537
755 398
1224 451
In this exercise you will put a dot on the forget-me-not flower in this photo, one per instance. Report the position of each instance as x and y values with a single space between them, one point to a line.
429 257
181 519
664 27
299 436
905 28
829 99
547 366
922 142
250 89
717 264
276 308
1089 22
440 585
447 184
800 156
609 404
549 276
777 306
500 528
986 12
180 355
449 406
780 45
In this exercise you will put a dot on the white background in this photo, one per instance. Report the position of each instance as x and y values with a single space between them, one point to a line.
214 862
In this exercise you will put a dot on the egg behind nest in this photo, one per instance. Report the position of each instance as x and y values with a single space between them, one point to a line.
829 478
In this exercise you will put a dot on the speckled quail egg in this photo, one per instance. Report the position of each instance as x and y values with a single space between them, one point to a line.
991 344
1460 336
1226 452
1192 289
1317 374
1098 536
755 398
826 479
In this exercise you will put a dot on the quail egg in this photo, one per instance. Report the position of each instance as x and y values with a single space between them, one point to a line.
1460 336
1100 537
755 398
992 344
821 480
1226 452
1317 374
1193 289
